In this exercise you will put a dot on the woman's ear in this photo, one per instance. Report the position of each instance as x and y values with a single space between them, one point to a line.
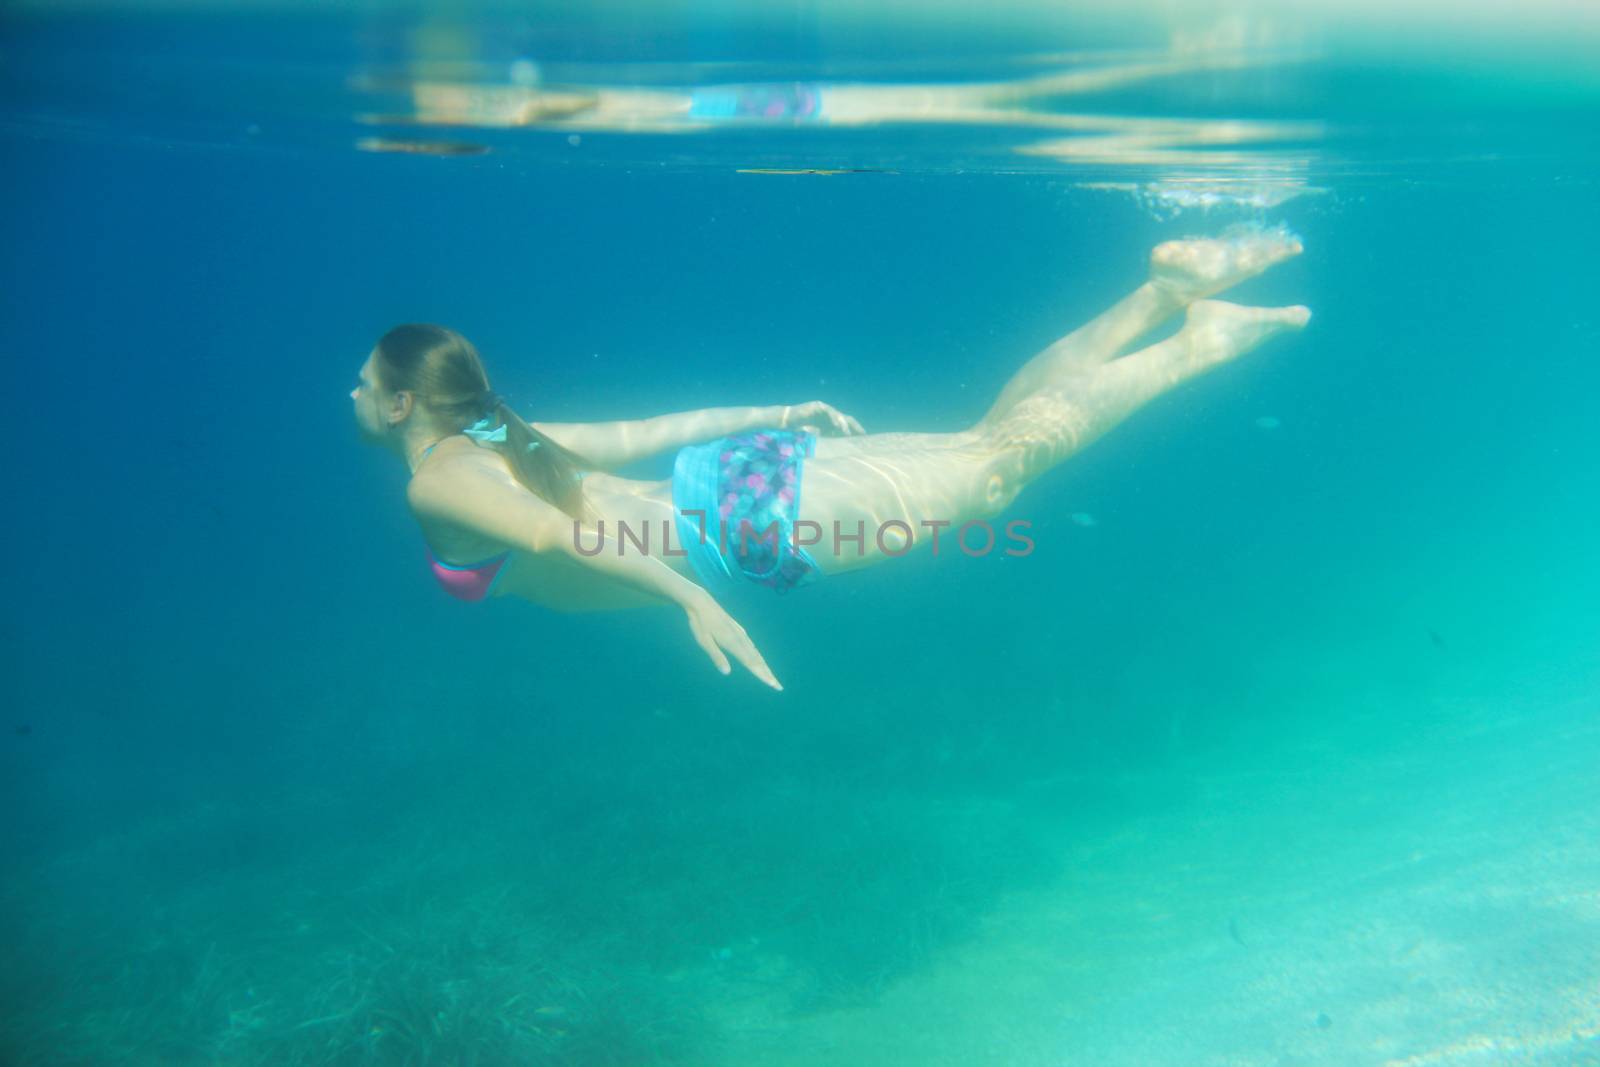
400 407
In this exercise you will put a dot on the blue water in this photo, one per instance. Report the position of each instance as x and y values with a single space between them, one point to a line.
1286 757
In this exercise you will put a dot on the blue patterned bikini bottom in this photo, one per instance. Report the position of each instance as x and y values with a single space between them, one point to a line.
736 500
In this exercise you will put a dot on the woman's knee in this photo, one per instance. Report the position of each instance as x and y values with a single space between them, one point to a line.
1004 478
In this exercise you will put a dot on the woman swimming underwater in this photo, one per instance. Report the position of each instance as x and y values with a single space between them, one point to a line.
531 509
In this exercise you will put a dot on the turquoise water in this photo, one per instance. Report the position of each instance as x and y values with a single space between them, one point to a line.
1279 749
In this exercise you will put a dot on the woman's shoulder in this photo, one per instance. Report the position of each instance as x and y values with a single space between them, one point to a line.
457 468
460 499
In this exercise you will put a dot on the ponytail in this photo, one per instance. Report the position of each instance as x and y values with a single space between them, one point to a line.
548 471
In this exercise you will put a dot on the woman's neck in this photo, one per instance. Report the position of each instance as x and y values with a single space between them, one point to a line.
416 442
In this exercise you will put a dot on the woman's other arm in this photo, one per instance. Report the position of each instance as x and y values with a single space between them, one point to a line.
610 445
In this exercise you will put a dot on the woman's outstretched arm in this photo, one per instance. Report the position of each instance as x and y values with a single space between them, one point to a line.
610 445
493 504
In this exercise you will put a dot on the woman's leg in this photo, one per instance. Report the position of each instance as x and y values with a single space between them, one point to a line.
855 487
1068 412
1181 272
879 485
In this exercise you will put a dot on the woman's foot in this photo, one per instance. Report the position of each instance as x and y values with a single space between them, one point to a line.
1217 331
1192 270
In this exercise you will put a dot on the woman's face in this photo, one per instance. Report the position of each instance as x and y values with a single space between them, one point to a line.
368 397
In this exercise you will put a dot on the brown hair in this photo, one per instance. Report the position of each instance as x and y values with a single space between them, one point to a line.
445 373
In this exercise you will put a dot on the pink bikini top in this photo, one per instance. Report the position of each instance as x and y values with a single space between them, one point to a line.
475 582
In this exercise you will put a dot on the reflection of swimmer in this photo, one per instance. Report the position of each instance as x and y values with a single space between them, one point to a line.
647 110
795 102
421 148
512 507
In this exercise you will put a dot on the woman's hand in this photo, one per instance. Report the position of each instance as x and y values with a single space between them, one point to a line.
715 630
823 418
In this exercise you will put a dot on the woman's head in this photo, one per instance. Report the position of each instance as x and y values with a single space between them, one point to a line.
425 372
430 378
440 367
